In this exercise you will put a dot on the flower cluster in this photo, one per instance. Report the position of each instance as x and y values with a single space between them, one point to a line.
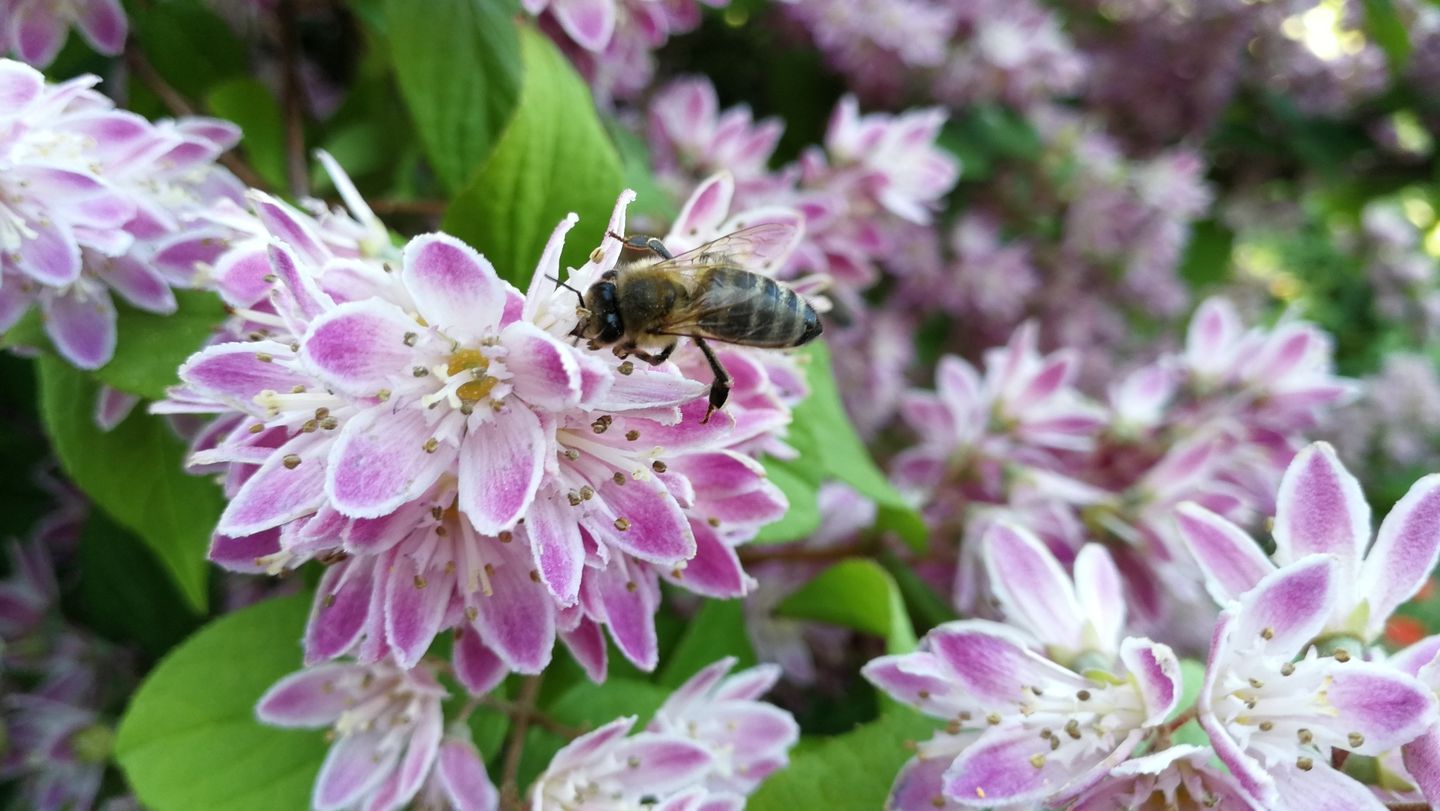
1215 424
612 42
34 30
431 433
711 744
1293 685
89 194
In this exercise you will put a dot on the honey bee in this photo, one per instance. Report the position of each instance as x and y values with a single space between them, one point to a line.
645 307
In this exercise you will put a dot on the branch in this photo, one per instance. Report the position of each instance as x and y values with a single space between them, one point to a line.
428 208
178 105
296 167
515 747
515 711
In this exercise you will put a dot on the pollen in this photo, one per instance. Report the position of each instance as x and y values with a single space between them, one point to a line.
475 362
626 368
1356 740
658 466
505 536
618 478
1304 764
1038 760
632 435
622 523
291 461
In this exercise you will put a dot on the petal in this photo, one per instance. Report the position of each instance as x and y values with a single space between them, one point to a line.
1404 553
380 461
1215 326
1255 779
628 599
453 286
545 371
306 698
299 280
1422 761
289 227
501 464
51 257
361 347
1000 769
82 326
555 542
341 611
517 620
1032 589
419 754
476 666
1101 594
655 529
138 283
919 679
586 642
37 32
103 24
1321 509
237 373
1289 606
20 84
80 199
415 604
920 787
590 23
462 776
715 571
1157 674
1387 707
355 766
277 492
661 763
989 662
1231 560
707 207
243 554
1322 789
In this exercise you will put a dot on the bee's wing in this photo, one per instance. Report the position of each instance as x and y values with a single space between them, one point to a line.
750 248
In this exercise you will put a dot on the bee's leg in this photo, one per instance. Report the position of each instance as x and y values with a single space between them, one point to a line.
720 388
640 242
656 359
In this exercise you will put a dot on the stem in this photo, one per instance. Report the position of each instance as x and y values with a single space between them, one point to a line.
296 167
525 710
428 208
178 105
1408 806
791 552
514 710
1181 720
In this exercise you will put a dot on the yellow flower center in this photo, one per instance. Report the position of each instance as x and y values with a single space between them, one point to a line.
476 363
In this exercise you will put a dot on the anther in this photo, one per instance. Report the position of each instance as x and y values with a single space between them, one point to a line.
534 576
505 536
256 428
264 357
1287 669
1072 728
1267 633
632 587
1342 655
602 424
410 338
618 478
622 523
1305 736
1304 764
420 371
626 368
658 466
321 413
291 461
1266 726
431 445
632 435
1038 760
1356 740
1083 695
420 582
993 719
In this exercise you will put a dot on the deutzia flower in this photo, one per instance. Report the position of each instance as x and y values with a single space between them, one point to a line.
35 30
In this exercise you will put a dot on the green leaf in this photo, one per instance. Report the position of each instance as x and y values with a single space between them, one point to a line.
458 64
253 107
854 770
587 706
843 454
924 604
149 347
1388 30
717 630
135 473
858 594
554 158
189 738
1206 261
795 479
189 46
125 593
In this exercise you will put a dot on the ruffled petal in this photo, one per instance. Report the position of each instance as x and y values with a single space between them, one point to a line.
453 286
51 257
81 324
463 777
415 604
1321 509
1422 761
355 766
279 491
715 571
501 465
360 347
555 541
1033 591
1404 554
590 23
37 32
104 26
1229 558
1157 673
989 662
381 461
306 698
138 283
1101 594
342 609
517 620
476 666
644 520
1387 708
546 373
1289 607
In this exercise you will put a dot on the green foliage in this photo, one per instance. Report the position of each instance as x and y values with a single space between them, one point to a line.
149 347
830 449
134 473
554 158
853 770
190 738
857 594
716 631
189 46
125 593
1385 25
459 68
254 108
586 706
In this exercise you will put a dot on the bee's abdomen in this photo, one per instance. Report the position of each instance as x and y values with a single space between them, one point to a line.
754 310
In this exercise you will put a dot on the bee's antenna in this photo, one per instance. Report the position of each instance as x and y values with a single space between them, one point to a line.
567 286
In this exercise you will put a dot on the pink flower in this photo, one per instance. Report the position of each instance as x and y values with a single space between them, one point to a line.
748 739
1024 729
389 746
35 29
1321 510
900 165
1274 707
688 132
606 769
87 193
1179 777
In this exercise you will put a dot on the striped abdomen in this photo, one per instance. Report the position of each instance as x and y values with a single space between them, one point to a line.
740 307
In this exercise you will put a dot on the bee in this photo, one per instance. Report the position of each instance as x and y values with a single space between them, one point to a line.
645 307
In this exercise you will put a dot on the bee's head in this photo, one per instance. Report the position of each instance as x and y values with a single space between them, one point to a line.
602 323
